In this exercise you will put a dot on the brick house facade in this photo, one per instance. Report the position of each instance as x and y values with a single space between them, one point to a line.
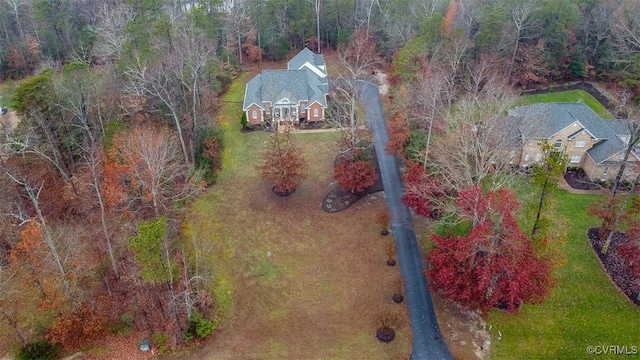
594 144
294 95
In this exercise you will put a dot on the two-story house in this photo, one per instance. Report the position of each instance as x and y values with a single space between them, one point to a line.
296 94
592 143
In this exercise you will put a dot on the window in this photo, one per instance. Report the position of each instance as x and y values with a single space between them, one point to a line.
316 113
581 143
558 143
605 171
527 157
254 114
575 159
538 157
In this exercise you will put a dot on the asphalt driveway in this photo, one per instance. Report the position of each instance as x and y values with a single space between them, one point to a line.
427 338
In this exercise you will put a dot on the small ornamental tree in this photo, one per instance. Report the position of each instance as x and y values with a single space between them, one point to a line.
494 265
545 176
354 175
283 164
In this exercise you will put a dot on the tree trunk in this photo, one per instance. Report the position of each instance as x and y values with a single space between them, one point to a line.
543 194
619 213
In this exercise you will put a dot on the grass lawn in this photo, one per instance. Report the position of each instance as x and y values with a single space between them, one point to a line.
295 282
585 308
569 96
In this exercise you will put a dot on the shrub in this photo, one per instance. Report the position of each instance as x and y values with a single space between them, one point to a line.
354 175
161 342
630 254
209 154
385 323
384 219
243 120
39 350
198 327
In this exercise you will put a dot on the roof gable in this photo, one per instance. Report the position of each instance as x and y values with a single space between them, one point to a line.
307 59
285 86
546 120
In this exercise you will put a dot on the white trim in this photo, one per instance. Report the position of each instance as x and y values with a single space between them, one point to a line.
313 68
256 104
315 102
578 158
572 124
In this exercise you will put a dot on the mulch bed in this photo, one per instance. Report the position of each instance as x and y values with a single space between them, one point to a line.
337 199
614 265
579 180
312 125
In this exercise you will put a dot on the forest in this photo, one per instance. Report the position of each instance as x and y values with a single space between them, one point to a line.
117 129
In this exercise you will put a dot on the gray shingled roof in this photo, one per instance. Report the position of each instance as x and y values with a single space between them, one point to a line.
295 85
545 120
304 56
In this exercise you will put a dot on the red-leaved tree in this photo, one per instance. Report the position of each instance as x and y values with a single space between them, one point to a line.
353 174
398 133
494 265
420 189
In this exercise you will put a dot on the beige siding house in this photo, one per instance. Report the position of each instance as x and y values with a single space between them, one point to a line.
294 95
592 143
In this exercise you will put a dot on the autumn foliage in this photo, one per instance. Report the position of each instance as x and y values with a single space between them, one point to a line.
354 175
421 189
146 171
399 133
494 265
76 328
283 164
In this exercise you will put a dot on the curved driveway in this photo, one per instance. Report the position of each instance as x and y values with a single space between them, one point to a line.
427 338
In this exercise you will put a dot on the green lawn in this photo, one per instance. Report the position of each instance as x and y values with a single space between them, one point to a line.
584 309
569 96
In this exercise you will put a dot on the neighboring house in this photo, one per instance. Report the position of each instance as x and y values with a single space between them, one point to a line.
592 143
296 94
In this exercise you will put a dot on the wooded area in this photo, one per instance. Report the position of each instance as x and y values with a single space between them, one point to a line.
117 131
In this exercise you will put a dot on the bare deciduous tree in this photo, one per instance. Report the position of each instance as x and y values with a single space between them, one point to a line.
472 144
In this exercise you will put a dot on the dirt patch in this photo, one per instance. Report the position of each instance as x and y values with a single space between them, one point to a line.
615 266
465 332
9 120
